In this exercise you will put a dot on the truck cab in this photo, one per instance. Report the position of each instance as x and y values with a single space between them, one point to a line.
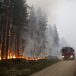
68 53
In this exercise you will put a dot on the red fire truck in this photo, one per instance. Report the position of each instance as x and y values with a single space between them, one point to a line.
68 53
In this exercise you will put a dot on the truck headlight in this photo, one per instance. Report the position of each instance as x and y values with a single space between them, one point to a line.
71 56
62 56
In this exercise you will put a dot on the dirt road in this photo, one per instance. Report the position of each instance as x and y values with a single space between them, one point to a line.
63 68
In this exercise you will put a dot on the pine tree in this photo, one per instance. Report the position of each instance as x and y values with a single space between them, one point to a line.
19 20
13 20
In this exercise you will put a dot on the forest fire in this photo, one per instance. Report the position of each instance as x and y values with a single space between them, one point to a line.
12 55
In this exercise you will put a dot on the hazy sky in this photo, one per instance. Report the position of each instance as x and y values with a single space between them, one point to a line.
63 14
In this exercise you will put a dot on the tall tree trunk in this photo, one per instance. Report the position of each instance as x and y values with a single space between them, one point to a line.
18 43
15 40
7 33
3 36
9 22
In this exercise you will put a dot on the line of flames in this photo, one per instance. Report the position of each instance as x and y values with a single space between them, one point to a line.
23 57
11 55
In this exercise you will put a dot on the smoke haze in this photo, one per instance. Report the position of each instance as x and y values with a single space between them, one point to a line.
62 13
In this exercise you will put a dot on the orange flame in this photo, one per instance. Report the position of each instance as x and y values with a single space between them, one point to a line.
11 55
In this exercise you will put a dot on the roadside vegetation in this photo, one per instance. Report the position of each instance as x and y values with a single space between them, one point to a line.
21 67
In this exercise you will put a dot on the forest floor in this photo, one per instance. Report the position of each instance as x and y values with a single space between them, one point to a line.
21 67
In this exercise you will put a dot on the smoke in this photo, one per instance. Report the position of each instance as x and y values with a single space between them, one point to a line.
53 43
63 14
48 6
29 47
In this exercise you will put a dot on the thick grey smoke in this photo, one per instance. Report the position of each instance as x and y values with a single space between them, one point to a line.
53 41
62 13
49 7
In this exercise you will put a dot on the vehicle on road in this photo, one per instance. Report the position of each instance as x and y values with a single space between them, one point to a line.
68 53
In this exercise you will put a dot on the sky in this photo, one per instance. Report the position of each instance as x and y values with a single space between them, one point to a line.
63 14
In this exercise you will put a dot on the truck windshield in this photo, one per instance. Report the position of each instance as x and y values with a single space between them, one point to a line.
67 49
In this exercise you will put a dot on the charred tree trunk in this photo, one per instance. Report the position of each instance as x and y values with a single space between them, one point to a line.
3 22
7 32
7 42
18 43
8 25
3 44
15 45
